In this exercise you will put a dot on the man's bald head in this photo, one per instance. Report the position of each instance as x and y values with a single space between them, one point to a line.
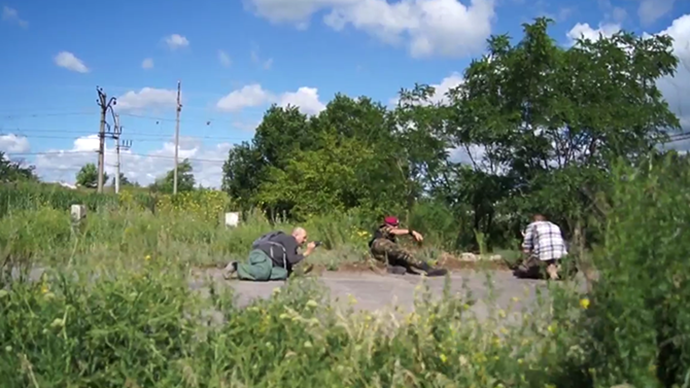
300 235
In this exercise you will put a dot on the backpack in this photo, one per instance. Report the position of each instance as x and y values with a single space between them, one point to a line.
267 239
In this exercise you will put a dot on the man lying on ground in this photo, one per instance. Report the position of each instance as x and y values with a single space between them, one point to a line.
272 257
384 247
544 246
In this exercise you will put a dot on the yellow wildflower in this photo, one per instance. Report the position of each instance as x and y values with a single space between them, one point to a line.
584 303
147 257
551 328
443 358
44 289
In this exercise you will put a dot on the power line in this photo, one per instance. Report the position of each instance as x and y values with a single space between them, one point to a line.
32 115
23 133
47 153
206 120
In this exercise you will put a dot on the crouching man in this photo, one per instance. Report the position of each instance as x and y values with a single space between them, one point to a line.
544 247
272 257
384 247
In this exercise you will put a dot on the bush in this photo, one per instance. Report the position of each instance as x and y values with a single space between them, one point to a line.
636 329
143 327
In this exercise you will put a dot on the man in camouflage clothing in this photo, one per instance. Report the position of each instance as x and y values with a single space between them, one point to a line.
384 247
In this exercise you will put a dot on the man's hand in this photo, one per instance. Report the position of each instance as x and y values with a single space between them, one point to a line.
417 236
310 248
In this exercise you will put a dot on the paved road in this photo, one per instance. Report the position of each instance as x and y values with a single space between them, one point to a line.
374 291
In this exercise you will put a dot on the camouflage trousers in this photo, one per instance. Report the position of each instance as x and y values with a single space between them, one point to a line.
393 254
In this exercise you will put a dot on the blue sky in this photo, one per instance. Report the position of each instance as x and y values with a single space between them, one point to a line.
235 58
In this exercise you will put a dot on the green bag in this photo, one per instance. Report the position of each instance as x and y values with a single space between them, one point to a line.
259 267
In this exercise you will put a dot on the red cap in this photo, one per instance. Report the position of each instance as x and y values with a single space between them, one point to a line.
391 220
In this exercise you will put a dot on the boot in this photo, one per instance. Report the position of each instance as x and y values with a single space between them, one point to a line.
396 269
431 271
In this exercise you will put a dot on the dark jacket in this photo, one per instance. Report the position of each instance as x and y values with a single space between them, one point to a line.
274 245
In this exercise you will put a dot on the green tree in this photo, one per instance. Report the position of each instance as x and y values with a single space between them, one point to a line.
553 119
185 179
88 176
11 171
290 149
283 130
124 181
324 180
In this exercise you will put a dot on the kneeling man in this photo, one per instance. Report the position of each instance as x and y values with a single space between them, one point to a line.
272 257
544 246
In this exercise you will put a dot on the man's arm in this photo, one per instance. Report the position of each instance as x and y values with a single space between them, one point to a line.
292 252
399 232
527 244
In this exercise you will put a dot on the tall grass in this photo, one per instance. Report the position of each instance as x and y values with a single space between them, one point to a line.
121 312
36 228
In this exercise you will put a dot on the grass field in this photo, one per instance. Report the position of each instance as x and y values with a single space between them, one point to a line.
115 309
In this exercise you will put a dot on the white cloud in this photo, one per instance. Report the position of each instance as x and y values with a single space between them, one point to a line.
147 98
207 162
584 31
427 27
12 143
224 58
147 63
11 15
461 155
306 98
70 62
176 41
440 89
677 89
247 97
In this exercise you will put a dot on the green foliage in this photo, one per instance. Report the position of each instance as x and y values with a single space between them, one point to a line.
34 196
638 322
143 326
548 120
88 176
185 179
124 181
14 171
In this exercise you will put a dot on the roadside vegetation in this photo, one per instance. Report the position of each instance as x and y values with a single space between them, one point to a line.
573 133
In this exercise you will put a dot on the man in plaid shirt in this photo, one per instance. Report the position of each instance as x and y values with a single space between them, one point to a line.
544 244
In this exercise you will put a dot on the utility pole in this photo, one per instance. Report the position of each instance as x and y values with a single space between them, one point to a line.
177 137
126 144
104 104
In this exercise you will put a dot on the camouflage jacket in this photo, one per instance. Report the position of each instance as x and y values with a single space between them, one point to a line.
383 231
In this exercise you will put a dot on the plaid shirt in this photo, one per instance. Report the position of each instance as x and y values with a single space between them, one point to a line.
544 240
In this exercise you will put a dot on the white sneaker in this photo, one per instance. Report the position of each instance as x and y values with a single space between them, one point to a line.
230 270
